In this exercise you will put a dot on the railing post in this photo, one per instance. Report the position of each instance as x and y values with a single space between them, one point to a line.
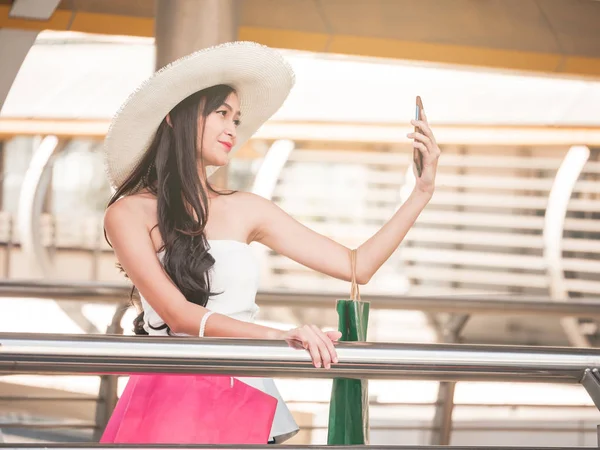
444 406
107 394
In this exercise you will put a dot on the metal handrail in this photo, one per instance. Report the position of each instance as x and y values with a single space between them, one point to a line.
114 292
98 354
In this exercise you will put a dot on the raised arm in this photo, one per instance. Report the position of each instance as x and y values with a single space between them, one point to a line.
279 231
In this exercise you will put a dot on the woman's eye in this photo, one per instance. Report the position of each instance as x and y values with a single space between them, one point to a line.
224 113
237 122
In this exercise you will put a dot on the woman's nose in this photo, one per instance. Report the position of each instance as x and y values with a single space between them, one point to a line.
231 131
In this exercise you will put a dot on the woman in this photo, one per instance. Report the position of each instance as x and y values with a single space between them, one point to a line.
183 243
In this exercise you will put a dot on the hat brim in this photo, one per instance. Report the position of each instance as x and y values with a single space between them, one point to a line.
260 76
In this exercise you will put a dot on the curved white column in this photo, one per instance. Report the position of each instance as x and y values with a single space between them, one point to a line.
554 224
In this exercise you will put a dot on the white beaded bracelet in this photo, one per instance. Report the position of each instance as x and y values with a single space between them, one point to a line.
203 323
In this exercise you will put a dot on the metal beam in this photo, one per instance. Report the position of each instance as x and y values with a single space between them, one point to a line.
99 354
448 134
493 305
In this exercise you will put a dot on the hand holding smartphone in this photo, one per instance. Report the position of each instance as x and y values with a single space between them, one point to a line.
417 155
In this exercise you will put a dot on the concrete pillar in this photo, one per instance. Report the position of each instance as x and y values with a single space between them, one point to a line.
14 46
184 26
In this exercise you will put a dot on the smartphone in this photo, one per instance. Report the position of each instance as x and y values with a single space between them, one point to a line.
417 155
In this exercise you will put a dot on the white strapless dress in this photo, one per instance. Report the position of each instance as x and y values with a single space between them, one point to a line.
235 277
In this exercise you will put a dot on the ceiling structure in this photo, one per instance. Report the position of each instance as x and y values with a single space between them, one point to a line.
545 36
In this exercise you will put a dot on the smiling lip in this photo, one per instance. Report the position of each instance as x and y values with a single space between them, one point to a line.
227 145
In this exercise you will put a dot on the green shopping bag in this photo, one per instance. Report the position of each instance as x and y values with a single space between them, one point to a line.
349 406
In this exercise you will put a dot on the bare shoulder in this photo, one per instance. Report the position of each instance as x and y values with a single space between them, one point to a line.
254 211
250 204
132 209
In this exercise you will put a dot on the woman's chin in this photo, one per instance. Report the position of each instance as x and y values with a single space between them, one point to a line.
222 163
216 162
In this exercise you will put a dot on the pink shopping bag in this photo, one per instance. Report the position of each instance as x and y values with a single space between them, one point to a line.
190 409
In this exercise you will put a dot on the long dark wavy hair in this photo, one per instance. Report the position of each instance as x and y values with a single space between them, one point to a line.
169 170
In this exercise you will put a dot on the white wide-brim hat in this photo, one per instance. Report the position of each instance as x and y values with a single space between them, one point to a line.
259 74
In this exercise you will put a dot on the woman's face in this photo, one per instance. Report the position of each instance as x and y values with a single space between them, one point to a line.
219 132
